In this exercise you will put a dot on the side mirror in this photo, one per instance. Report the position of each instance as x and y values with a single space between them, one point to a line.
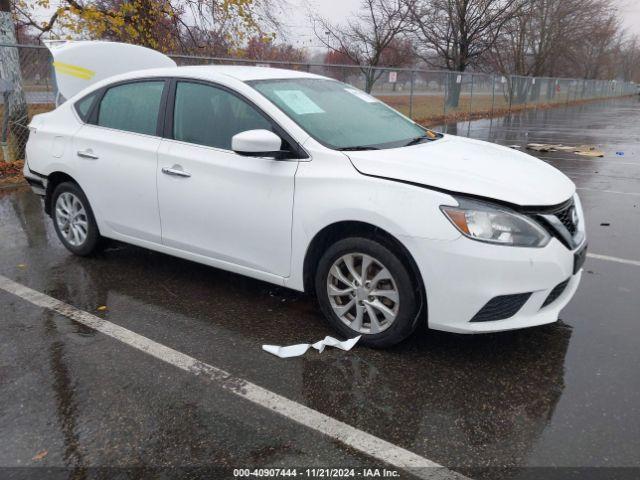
257 143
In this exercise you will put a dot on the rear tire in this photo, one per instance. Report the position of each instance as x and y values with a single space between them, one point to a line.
381 304
73 220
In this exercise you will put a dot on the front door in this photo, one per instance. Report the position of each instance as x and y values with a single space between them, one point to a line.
214 202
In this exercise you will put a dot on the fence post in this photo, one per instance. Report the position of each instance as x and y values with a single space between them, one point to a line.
411 86
510 80
471 98
493 94
54 84
444 101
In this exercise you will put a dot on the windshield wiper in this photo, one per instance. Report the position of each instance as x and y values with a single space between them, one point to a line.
357 148
416 140
428 135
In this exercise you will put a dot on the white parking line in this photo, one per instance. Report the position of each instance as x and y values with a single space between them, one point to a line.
614 259
348 435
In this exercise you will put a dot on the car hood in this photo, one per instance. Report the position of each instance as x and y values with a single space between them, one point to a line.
469 166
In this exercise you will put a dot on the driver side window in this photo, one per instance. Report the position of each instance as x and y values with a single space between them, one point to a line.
210 116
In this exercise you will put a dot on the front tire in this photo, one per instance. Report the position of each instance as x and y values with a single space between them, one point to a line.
73 220
364 288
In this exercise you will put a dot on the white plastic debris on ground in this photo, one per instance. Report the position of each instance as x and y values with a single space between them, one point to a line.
584 150
301 348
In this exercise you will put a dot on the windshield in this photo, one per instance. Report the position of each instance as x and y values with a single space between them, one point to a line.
340 116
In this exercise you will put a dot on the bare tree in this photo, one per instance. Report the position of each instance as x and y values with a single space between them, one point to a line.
629 60
455 34
546 33
189 25
532 42
593 56
234 22
555 38
371 38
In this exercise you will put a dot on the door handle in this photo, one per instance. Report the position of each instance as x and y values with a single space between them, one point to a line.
176 171
88 153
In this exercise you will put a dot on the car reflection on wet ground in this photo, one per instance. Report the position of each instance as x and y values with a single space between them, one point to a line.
489 406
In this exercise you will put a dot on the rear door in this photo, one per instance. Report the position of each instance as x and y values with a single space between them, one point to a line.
224 206
117 158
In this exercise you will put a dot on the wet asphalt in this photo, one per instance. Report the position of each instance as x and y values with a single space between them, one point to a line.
506 405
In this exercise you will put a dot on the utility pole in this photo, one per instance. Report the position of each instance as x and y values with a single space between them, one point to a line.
15 108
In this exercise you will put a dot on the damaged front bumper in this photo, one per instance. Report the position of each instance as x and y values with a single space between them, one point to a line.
489 288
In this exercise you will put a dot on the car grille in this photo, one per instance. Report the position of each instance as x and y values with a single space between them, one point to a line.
501 308
563 213
564 216
555 293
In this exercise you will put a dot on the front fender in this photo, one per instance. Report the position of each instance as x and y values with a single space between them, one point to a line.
330 190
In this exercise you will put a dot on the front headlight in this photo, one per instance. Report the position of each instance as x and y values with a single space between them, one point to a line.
495 224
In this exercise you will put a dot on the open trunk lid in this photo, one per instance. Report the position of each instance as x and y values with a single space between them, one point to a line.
79 64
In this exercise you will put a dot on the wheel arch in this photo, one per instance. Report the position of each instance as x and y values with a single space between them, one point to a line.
345 229
53 180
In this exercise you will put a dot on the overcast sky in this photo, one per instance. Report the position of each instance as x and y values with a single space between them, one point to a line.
301 32
630 13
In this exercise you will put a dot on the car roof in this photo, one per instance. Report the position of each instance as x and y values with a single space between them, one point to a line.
242 73
245 73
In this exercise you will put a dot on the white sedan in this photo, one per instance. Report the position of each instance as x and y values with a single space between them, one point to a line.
309 183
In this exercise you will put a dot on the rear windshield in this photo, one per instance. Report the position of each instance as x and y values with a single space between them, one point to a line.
339 115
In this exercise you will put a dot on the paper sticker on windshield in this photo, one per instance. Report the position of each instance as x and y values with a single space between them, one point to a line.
361 95
297 101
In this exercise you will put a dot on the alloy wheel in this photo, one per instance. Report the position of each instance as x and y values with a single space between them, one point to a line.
363 293
71 218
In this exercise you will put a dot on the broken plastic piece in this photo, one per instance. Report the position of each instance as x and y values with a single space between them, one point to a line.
301 348
539 147
584 150
590 153
286 352
333 342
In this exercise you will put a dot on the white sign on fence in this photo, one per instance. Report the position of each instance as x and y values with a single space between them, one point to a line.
393 77
459 79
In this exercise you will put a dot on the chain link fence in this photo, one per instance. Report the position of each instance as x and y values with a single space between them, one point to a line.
431 97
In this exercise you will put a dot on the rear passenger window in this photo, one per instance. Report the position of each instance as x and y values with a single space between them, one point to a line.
83 107
132 107
210 116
